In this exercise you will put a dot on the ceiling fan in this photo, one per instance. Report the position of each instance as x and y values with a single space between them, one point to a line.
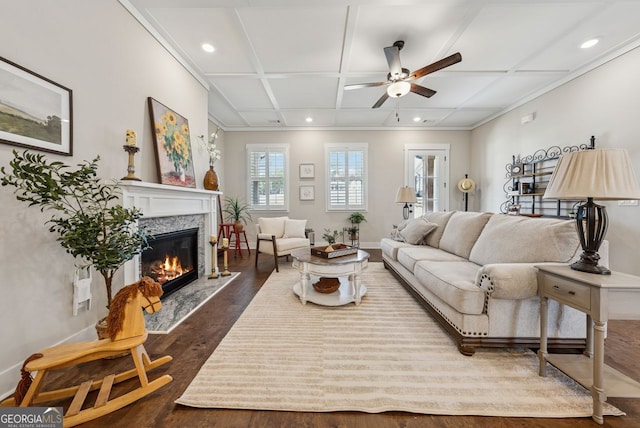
399 79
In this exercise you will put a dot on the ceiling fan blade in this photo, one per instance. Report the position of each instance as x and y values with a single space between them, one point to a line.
393 59
381 101
365 85
421 90
438 65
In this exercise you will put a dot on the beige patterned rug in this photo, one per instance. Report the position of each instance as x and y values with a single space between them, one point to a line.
383 355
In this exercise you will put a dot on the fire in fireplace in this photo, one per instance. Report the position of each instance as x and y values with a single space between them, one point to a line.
172 259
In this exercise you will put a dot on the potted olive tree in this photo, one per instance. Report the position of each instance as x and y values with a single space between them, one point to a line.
90 225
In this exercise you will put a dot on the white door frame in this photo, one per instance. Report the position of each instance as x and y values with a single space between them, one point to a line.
440 150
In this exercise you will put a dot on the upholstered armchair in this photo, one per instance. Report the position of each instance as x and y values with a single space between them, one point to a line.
279 236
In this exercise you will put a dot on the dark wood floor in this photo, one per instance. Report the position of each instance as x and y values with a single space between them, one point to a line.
196 338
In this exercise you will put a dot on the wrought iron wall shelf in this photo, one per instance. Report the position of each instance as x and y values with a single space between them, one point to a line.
526 181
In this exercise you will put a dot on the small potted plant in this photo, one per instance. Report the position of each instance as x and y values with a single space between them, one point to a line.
237 212
330 237
356 218
353 232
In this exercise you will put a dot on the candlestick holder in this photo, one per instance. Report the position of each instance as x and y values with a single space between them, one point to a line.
225 249
214 258
131 168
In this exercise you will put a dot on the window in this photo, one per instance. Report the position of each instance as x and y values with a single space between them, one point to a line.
268 169
346 177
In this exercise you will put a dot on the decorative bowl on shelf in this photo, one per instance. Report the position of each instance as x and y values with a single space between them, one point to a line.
326 285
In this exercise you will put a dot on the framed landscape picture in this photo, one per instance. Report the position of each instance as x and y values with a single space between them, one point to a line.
173 145
35 112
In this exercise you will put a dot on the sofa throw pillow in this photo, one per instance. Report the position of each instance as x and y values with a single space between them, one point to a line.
396 236
416 230
294 228
272 225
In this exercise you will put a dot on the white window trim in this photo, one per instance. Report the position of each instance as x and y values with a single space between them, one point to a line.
249 148
329 147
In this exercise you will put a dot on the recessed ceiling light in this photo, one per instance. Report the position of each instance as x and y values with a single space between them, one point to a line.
589 43
416 119
208 47
309 119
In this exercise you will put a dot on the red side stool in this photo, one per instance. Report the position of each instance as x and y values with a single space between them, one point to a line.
238 237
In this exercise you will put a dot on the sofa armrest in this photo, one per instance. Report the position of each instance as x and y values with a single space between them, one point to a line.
509 280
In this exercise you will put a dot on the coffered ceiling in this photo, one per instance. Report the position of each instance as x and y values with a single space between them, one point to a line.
278 62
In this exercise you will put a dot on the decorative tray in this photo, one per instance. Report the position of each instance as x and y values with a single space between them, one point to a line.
338 251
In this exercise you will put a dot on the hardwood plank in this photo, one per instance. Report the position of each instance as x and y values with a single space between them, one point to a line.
193 341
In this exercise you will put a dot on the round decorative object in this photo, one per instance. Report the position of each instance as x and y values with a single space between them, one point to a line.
516 169
466 185
326 285
211 179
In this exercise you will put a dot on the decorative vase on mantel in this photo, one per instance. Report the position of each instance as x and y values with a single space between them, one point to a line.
211 179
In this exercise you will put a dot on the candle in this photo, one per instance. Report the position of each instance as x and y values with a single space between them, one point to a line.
225 242
213 239
131 137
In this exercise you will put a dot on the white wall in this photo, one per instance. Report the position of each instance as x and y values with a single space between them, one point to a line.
112 65
605 103
385 173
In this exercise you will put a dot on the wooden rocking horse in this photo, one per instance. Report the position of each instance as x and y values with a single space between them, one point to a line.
127 333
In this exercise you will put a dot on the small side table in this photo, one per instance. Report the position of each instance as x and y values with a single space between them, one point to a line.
600 297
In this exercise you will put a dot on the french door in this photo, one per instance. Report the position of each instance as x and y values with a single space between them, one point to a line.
426 169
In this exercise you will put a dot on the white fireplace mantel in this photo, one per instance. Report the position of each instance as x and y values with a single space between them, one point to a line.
159 200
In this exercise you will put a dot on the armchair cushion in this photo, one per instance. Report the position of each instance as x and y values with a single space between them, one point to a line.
272 225
294 228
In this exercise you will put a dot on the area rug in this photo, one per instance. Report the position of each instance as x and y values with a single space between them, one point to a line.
177 306
386 354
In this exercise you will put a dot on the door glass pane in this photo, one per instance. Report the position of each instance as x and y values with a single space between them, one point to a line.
427 181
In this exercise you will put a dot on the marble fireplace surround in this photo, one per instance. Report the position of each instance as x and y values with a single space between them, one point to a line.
163 206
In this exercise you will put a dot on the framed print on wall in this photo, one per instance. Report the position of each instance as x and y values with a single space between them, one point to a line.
172 145
307 193
35 112
307 170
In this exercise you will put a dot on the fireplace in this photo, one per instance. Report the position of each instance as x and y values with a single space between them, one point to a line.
172 259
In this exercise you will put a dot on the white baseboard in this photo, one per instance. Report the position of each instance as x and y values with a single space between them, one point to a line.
10 376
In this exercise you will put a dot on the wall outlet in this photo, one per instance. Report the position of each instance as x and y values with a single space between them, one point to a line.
630 203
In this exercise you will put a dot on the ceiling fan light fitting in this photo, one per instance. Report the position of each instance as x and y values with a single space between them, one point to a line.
398 89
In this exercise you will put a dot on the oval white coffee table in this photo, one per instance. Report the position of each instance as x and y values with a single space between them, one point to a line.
346 268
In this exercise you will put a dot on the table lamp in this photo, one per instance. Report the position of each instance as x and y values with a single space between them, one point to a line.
406 195
597 174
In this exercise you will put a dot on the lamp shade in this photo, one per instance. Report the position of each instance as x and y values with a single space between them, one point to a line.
600 174
406 195
398 89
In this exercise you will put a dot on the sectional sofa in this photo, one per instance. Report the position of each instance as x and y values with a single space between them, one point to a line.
474 272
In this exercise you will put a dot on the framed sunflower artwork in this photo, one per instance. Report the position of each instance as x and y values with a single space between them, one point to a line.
172 145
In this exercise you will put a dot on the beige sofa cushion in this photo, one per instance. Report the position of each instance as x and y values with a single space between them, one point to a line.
453 282
408 256
390 247
519 239
463 228
440 218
